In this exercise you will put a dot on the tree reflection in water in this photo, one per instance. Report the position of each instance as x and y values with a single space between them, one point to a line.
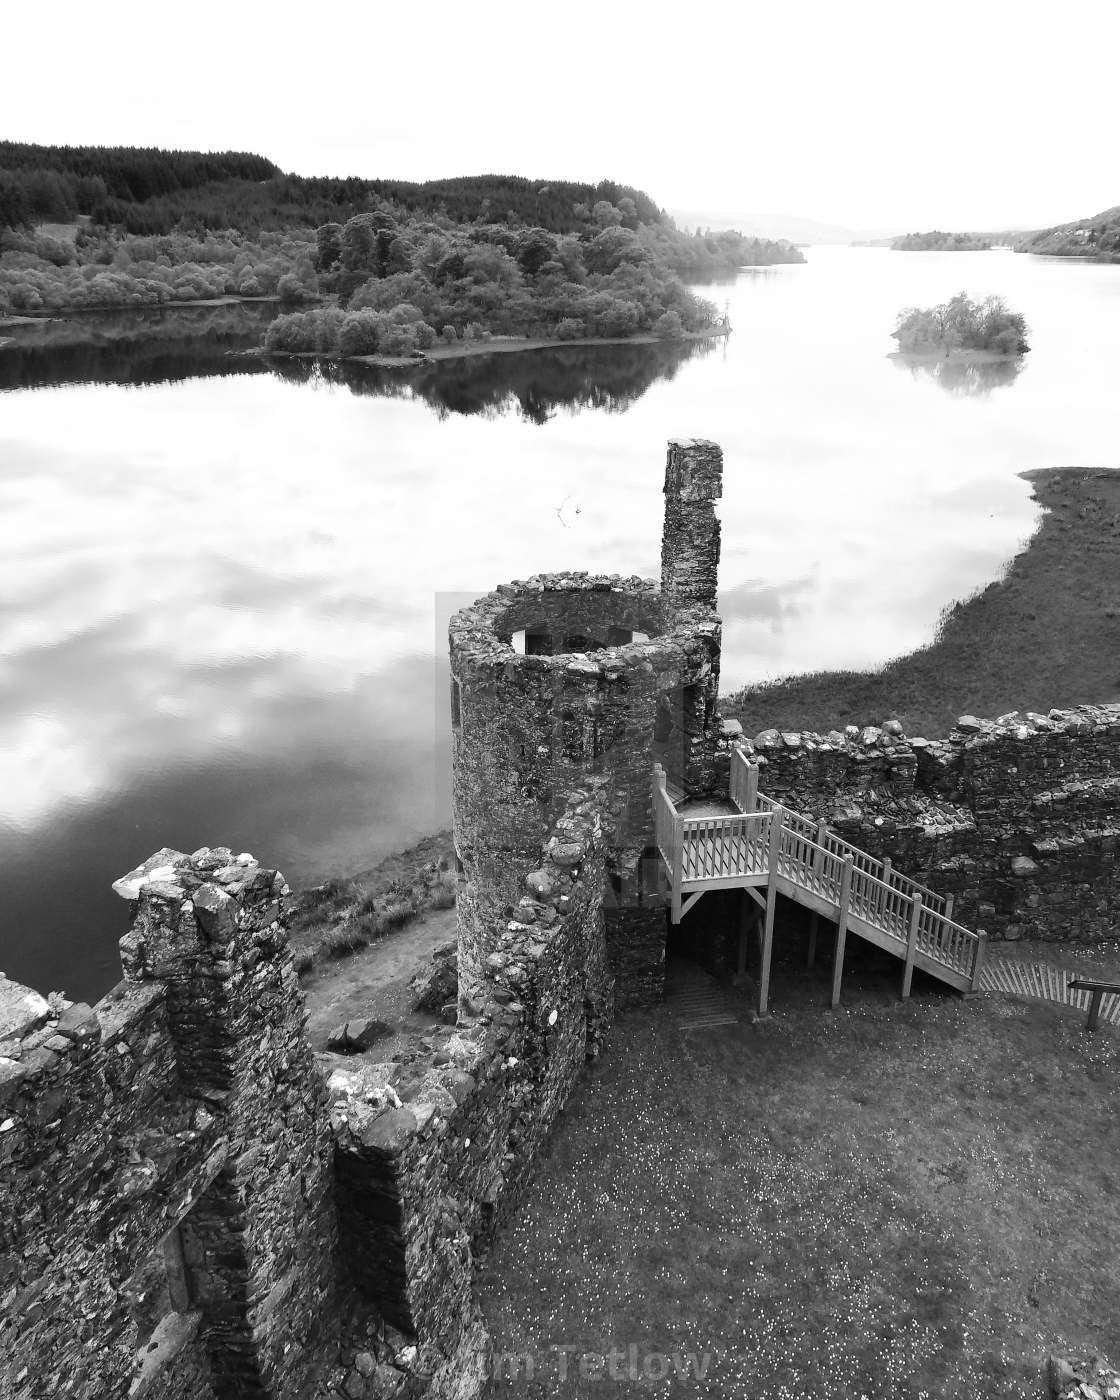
149 345
962 377
534 383
157 347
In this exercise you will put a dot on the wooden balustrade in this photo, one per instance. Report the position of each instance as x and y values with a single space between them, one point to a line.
764 842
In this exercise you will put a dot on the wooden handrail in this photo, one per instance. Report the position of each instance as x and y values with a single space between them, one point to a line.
730 846
1097 990
861 859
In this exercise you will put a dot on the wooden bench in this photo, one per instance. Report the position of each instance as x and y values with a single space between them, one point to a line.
1098 989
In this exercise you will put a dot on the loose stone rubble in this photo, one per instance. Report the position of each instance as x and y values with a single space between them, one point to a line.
1093 1379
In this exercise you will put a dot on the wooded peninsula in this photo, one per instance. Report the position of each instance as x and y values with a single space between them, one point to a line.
364 266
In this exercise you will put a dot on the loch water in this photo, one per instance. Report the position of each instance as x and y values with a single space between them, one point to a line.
224 586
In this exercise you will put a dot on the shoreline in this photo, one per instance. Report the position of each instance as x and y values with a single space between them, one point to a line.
77 312
958 356
1043 633
497 345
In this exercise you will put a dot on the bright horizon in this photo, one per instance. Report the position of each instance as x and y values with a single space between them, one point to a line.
869 116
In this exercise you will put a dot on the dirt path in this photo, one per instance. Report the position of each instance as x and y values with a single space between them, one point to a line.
374 982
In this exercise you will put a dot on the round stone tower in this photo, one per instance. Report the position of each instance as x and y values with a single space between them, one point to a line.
562 678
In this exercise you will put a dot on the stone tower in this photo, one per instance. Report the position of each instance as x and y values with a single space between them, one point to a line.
608 674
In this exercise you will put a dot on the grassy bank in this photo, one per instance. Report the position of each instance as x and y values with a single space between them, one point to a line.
346 914
898 1200
1047 633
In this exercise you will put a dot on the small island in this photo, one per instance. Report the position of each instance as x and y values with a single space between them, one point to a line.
936 241
963 328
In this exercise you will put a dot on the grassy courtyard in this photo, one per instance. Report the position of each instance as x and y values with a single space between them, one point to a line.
894 1200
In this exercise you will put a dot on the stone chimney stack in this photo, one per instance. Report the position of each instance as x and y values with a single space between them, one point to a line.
690 539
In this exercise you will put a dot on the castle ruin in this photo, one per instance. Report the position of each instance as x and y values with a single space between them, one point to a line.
192 1204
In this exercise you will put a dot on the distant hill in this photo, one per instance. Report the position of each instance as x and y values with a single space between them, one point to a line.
788 226
1096 237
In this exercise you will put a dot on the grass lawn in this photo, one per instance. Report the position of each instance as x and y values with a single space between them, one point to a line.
892 1200
1046 634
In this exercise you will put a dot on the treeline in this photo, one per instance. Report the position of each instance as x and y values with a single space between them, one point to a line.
962 324
936 241
45 184
150 191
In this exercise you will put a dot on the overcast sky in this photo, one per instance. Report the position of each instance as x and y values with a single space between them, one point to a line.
986 114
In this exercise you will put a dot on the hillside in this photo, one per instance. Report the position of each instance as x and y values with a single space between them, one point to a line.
1097 237
112 227
387 264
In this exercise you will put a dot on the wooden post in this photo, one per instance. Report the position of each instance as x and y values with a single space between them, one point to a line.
948 906
841 929
978 960
813 924
911 946
1094 1009
776 817
678 864
752 787
818 855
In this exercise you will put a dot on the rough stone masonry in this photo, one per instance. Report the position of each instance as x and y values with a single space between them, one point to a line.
192 1205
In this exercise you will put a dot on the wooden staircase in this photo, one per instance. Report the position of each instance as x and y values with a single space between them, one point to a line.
761 844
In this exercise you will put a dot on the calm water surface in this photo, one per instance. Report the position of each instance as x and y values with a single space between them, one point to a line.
223 597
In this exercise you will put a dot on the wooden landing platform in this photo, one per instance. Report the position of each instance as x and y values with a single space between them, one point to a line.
754 843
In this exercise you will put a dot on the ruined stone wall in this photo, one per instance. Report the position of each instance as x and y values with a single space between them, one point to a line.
100 1157
1016 817
165 1160
434 1151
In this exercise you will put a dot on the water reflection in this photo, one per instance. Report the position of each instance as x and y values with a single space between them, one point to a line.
759 601
960 377
147 346
163 346
221 599
609 378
